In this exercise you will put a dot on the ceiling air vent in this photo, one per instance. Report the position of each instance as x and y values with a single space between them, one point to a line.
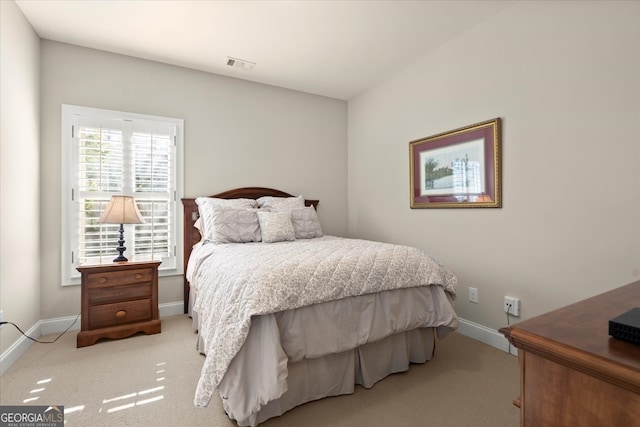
240 63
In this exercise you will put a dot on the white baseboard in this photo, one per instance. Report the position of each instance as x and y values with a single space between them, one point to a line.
18 348
59 324
486 335
171 309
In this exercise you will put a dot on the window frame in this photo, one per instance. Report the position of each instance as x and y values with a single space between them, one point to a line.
69 221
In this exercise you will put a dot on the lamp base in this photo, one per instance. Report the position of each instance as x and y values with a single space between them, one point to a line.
121 248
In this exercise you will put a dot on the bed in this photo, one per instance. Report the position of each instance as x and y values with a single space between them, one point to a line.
286 315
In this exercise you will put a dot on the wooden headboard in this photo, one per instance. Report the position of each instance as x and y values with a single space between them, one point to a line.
192 235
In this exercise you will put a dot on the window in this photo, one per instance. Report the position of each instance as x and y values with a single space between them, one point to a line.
111 152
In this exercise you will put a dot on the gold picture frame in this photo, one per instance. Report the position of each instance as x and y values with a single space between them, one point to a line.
461 168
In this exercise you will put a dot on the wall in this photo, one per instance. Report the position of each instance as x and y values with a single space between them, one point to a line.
19 173
237 133
563 76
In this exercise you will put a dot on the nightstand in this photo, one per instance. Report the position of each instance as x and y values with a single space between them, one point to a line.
118 300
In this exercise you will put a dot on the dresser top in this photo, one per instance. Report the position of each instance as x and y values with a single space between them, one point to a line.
584 327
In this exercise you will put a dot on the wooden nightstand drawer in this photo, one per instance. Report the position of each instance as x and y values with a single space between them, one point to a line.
115 278
120 313
120 293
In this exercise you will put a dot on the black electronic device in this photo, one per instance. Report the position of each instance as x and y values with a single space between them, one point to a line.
626 326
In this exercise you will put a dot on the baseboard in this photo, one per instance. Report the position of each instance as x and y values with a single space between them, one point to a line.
486 335
18 348
171 309
59 324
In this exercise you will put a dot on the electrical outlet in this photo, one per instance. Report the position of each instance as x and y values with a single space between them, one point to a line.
512 306
473 295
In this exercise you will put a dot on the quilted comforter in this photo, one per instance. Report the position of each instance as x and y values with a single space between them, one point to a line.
237 281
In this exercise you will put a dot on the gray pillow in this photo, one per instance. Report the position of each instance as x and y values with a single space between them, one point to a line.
206 206
235 226
306 224
276 226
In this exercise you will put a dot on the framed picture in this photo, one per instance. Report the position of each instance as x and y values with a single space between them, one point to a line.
457 169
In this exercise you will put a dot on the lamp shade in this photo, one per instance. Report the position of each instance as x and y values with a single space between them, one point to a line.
121 210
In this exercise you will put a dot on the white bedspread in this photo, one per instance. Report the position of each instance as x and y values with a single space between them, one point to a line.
237 281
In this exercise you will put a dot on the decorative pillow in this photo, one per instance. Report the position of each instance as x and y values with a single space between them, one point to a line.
280 203
206 205
276 226
306 224
235 226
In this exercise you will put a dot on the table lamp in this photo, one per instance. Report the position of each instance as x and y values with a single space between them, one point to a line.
121 210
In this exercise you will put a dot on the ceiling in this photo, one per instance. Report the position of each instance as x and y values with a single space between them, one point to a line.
337 49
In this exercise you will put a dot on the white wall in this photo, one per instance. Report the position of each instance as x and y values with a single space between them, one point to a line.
237 134
19 173
563 76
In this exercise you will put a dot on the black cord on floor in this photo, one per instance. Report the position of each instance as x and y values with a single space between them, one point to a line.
38 341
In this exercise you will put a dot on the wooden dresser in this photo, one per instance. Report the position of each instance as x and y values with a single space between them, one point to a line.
118 300
572 373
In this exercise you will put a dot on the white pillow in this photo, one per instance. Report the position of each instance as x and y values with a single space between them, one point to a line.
306 224
206 206
276 226
280 203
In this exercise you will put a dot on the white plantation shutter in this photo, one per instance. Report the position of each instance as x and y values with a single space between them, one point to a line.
119 153
153 190
100 173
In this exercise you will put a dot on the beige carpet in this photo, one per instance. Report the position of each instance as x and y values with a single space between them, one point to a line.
150 381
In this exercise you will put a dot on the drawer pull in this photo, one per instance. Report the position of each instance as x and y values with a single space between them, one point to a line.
138 276
102 279
121 313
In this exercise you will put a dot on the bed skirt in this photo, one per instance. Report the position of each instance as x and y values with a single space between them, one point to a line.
336 374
